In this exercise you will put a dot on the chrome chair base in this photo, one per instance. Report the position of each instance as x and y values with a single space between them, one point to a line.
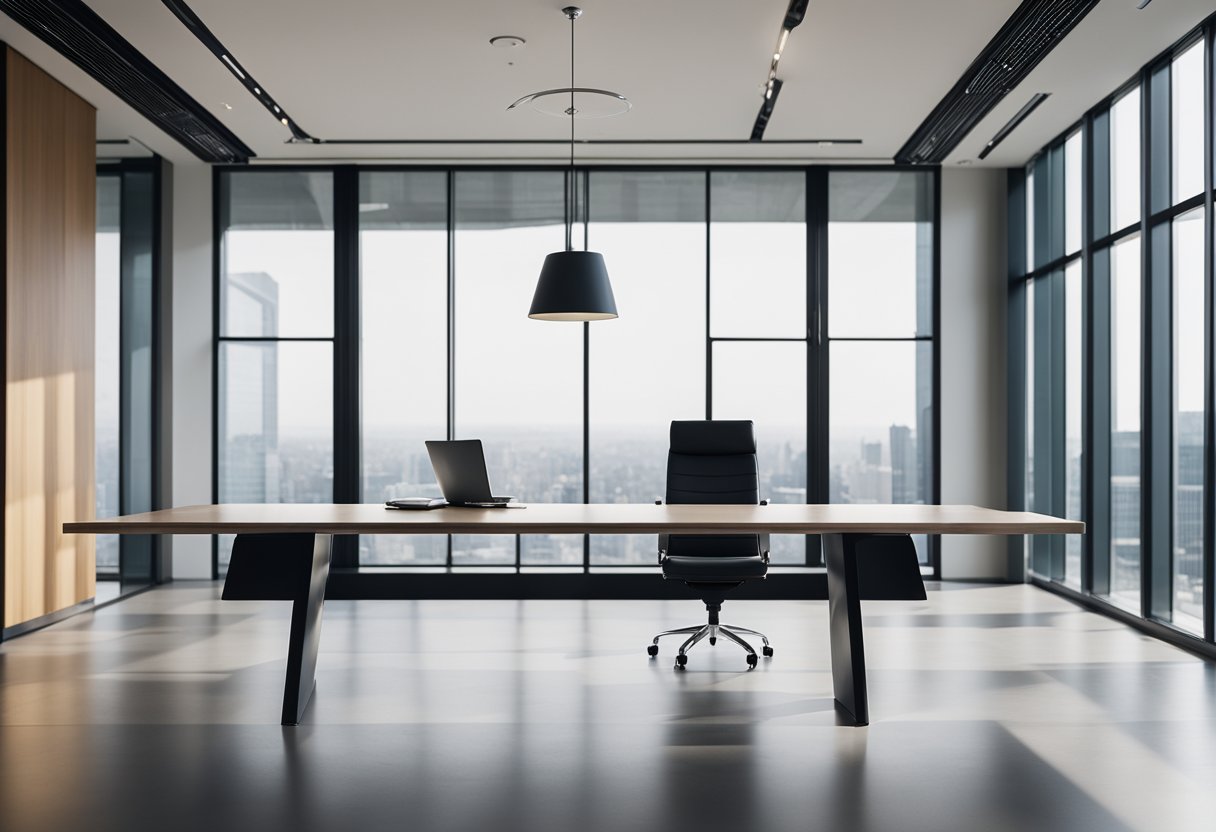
713 632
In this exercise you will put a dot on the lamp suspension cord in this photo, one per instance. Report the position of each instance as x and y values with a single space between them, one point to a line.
570 192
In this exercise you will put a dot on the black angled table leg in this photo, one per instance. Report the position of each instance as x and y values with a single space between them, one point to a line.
844 622
286 567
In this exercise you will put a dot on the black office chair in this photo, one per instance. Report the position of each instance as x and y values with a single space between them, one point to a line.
713 462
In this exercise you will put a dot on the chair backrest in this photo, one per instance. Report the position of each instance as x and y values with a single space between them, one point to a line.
713 462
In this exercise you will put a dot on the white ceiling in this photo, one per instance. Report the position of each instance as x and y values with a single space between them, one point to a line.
423 69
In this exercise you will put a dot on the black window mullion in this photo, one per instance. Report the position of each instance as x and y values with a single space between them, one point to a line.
451 324
1087 353
1055 197
1099 533
818 469
1042 450
1209 419
1099 182
1157 544
933 457
346 394
1147 312
709 344
1015 365
1157 112
1058 399
586 206
1042 212
219 221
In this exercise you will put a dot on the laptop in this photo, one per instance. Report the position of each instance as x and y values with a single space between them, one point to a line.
460 468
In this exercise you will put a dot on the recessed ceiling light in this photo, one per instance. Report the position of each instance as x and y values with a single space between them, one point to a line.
506 41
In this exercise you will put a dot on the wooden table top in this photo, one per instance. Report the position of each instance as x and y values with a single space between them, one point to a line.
564 518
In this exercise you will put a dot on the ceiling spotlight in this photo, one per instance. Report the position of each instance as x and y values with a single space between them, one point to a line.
506 41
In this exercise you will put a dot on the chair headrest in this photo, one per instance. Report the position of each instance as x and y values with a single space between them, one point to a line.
713 437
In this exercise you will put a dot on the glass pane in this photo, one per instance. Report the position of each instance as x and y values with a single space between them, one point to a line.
1030 264
1072 193
1188 421
1074 390
1125 424
275 424
403 268
651 228
107 310
277 255
1125 160
880 424
1186 94
766 382
880 254
519 382
758 254
138 245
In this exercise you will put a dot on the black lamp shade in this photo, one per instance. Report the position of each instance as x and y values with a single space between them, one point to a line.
573 286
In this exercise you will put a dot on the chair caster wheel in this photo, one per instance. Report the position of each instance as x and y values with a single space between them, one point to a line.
752 659
681 660
767 651
713 641
653 650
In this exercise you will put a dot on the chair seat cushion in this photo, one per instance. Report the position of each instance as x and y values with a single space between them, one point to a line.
725 569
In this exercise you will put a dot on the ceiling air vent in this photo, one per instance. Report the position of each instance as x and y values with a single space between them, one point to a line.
1028 35
75 31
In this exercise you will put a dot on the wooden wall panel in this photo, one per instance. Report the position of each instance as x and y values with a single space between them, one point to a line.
49 204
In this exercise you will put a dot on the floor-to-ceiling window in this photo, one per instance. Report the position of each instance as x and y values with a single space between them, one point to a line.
880 325
1118 391
723 315
274 351
1190 358
758 327
648 367
125 364
403 329
106 380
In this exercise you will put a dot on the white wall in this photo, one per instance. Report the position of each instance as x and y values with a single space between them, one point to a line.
191 359
972 343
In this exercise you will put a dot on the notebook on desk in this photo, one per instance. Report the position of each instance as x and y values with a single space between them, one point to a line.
416 503
460 469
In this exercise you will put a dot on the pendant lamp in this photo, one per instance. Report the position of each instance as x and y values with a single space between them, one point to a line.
573 285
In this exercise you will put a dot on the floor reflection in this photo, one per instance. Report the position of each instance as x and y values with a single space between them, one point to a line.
994 708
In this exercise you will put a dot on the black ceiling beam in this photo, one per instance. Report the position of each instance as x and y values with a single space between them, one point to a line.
207 38
1030 33
75 31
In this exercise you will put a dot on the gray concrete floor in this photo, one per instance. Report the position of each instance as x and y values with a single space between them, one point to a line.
994 708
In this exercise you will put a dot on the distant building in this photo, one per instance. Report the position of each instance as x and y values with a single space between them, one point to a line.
904 472
249 416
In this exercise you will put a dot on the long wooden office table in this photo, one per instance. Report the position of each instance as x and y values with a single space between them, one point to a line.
282 552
